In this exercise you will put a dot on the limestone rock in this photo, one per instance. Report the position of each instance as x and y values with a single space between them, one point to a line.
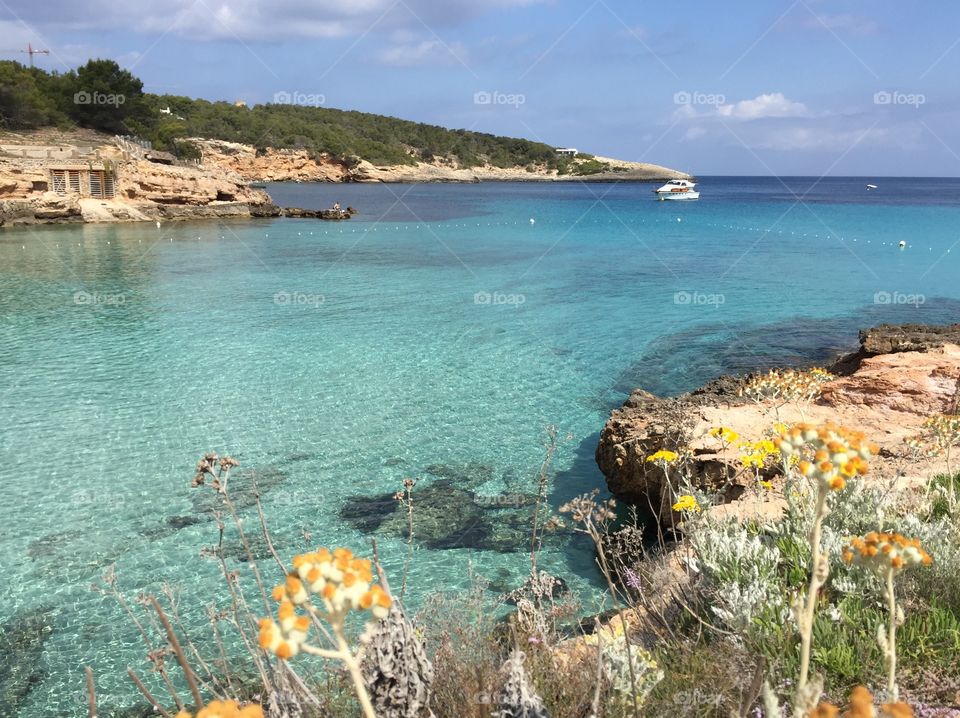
887 395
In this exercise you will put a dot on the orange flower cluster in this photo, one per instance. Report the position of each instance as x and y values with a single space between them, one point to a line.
225 709
881 552
830 454
786 385
861 706
341 581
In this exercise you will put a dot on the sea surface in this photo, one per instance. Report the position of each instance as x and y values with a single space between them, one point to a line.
437 336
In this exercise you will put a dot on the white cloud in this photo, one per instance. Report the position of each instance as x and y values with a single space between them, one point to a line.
761 107
252 20
809 137
426 52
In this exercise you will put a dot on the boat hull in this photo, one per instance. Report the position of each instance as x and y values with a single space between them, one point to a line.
678 196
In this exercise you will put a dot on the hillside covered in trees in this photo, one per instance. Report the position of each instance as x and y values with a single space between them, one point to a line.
101 95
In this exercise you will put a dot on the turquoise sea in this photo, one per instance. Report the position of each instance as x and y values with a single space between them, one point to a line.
436 335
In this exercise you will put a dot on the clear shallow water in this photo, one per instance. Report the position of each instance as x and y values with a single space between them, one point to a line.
439 331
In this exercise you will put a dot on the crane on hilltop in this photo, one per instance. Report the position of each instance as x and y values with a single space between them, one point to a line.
31 51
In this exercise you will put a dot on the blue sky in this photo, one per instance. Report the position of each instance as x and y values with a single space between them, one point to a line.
751 87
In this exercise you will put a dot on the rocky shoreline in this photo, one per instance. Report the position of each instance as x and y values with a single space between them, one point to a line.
900 376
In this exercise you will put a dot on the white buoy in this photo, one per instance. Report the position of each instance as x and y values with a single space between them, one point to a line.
679 220
902 244
533 221
158 224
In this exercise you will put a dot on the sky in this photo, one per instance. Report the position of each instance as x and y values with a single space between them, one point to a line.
755 87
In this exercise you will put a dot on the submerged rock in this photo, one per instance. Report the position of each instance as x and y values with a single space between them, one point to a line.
22 638
467 476
243 485
73 555
446 515
181 522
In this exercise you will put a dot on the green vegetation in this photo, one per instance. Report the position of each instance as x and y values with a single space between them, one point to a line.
102 96
590 167
99 95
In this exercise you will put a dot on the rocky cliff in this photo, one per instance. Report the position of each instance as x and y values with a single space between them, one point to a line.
279 165
901 376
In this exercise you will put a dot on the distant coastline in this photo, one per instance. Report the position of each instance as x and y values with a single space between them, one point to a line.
289 165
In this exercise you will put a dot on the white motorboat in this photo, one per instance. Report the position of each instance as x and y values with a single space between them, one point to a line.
678 189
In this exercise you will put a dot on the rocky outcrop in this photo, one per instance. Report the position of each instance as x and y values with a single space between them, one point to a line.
331 214
273 165
887 395
893 338
45 208
143 190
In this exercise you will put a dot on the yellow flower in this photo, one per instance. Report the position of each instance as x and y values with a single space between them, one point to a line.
686 503
766 446
768 485
609 632
225 709
752 460
728 436
754 455
664 455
